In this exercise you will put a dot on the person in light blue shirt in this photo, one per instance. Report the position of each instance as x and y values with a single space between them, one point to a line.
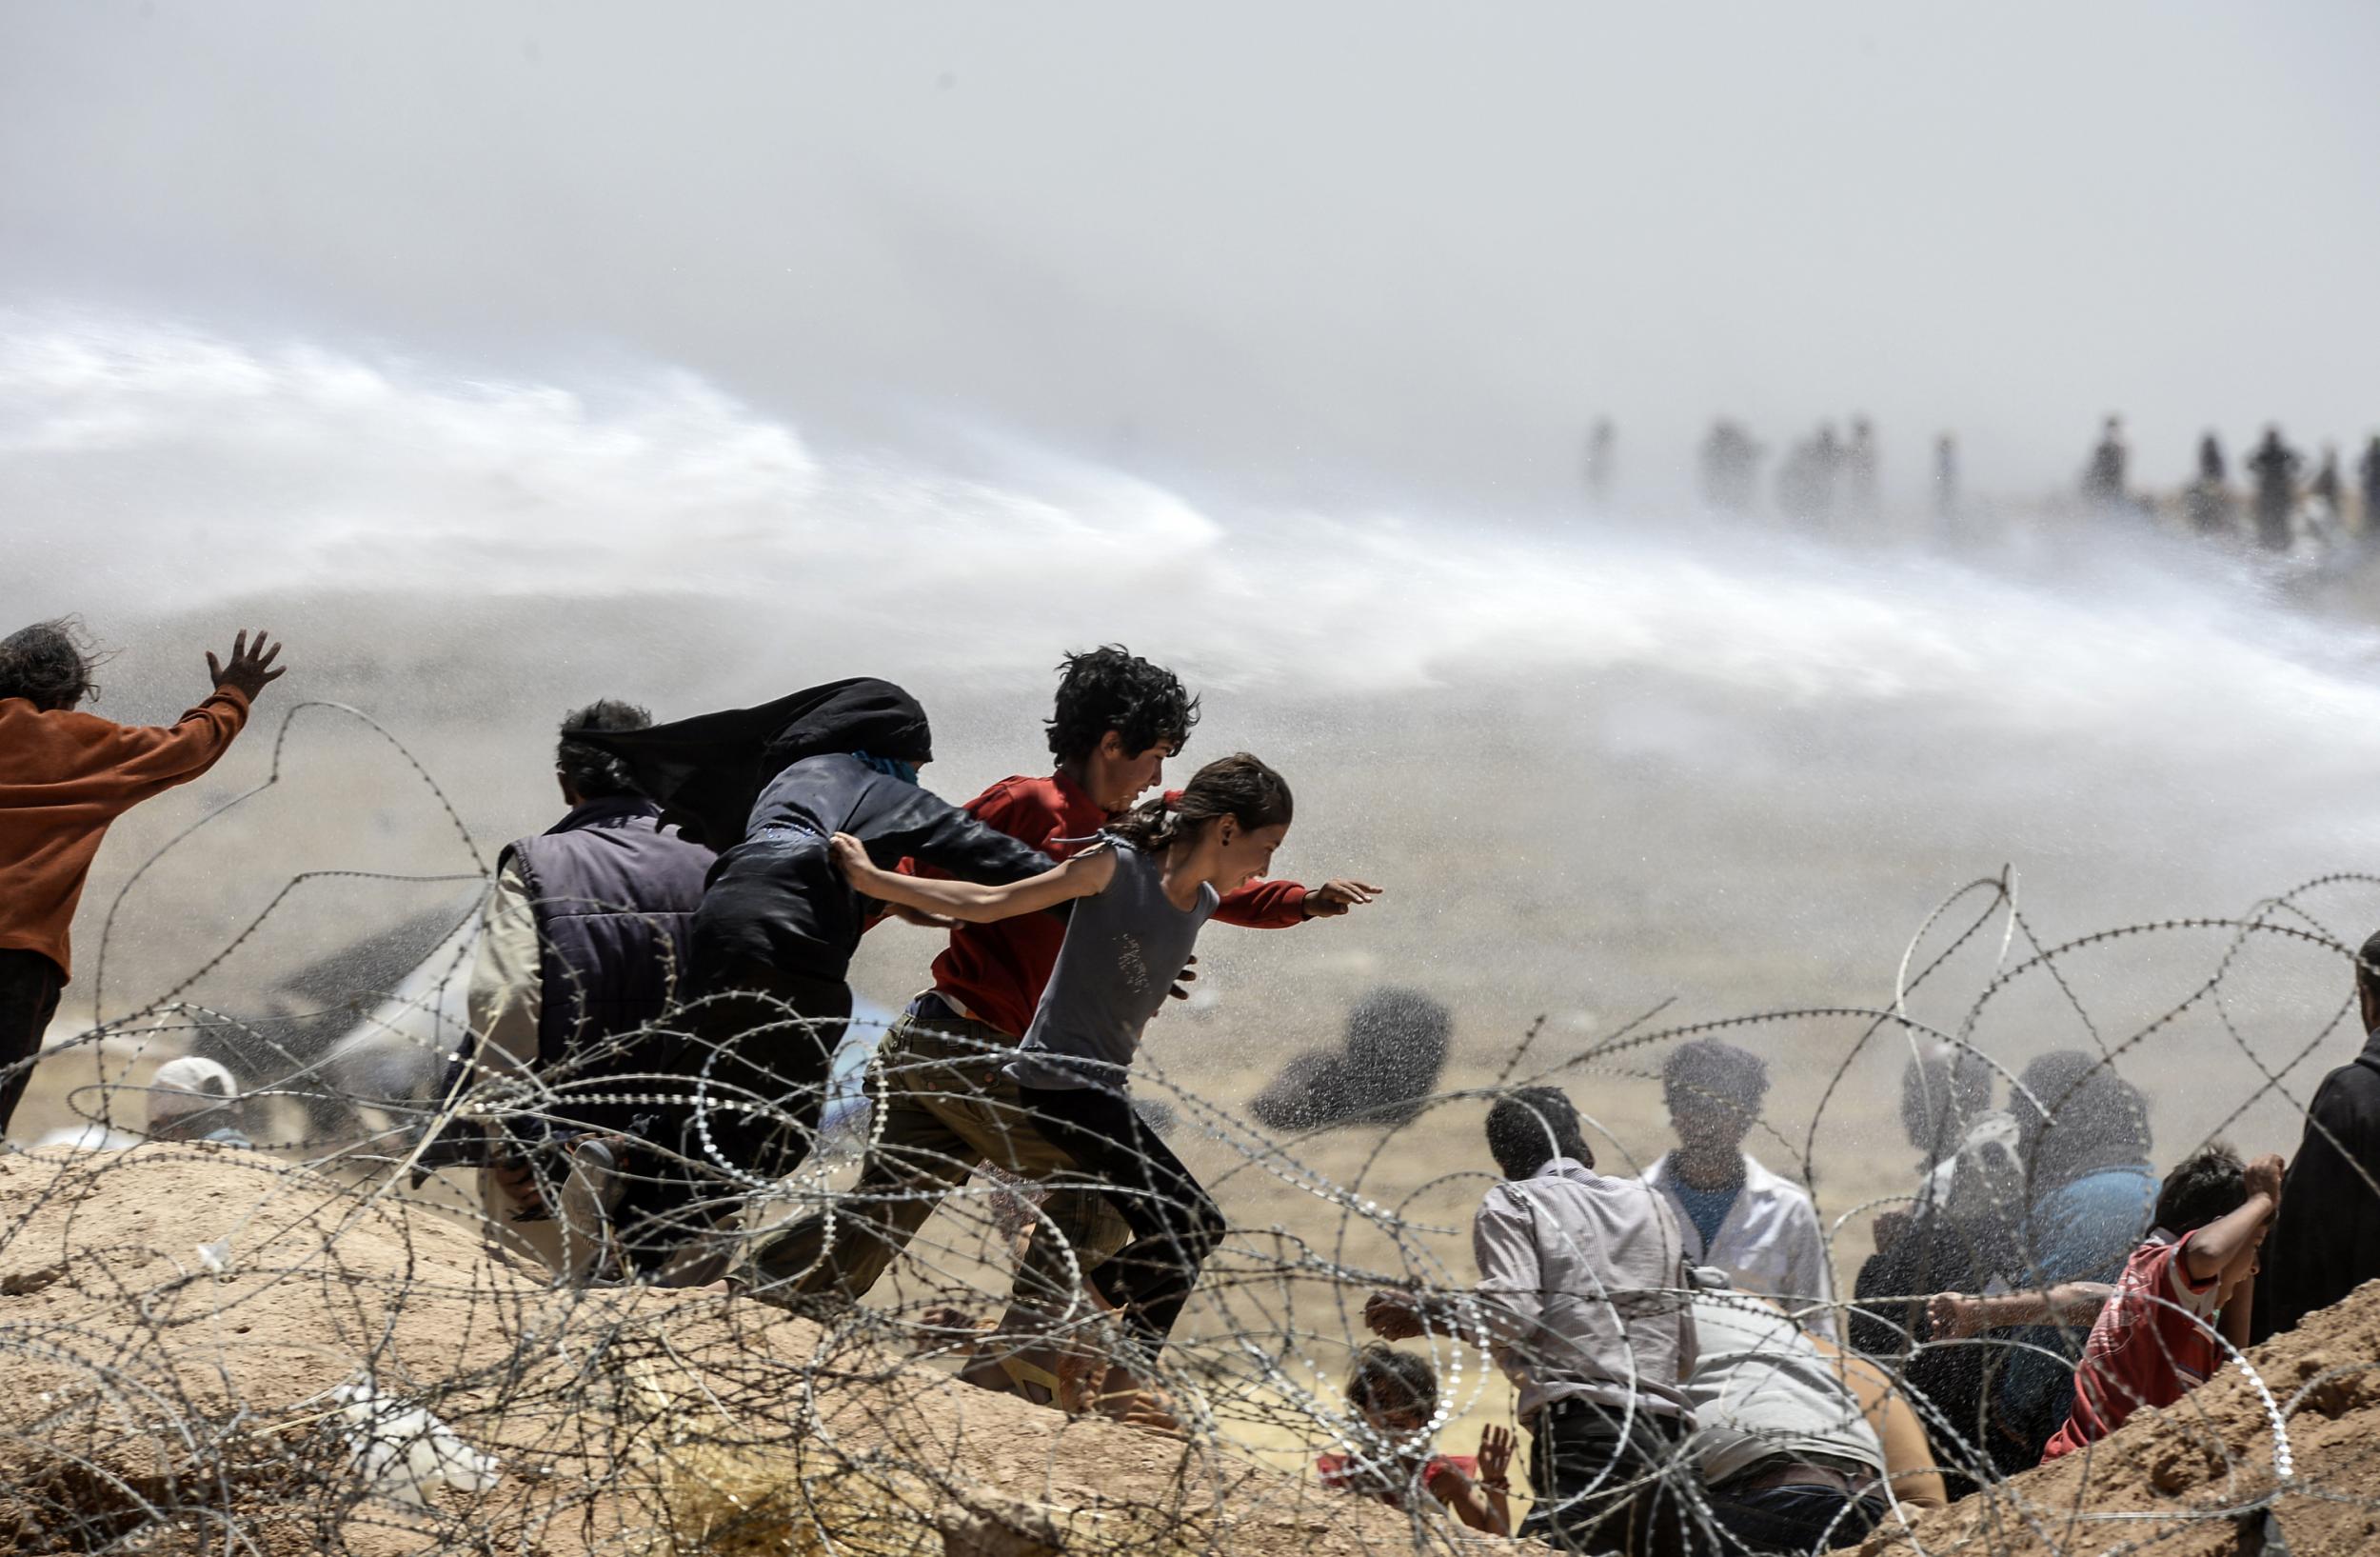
2083 1137
1759 1227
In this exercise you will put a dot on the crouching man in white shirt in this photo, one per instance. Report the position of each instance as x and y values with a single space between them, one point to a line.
1584 1297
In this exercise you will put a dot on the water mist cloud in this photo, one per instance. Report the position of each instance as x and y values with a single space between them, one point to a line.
168 462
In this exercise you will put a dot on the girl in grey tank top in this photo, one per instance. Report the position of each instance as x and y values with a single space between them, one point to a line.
1123 947
1139 898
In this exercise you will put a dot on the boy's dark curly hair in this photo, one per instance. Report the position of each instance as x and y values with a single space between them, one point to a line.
1111 687
49 664
2207 1185
1384 1379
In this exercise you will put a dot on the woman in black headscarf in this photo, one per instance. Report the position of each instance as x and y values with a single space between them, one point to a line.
768 1001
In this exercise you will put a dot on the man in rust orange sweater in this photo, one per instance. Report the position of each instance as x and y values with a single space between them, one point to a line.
63 777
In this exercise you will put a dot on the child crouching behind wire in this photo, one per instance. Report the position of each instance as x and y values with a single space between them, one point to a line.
1395 1393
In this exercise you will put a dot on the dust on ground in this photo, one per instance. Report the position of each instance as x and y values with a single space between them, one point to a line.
175 1319
2199 1479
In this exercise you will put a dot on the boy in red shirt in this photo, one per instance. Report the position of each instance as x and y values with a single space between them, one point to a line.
1395 1393
942 1106
63 777
2154 1341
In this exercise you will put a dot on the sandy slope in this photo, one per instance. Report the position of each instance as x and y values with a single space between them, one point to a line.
2197 1480
150 1396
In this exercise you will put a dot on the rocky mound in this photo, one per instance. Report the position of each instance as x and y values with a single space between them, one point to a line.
2201 1479
177 1325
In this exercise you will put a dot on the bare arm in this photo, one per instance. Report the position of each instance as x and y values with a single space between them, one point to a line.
1954 1316
1496 1460
1909 1461
1499 1509
1466 1499
973 902
1402 1313
154 760
2239 1314
2228 1238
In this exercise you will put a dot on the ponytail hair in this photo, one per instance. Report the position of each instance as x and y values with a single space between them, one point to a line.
1238 786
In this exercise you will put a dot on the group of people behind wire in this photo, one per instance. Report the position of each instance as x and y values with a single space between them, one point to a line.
1688 1378
2285 498
660 991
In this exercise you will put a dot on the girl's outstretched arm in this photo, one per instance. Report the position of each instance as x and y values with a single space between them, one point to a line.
972 901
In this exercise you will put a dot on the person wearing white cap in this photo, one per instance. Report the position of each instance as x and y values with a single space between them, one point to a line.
190 1099
194 1099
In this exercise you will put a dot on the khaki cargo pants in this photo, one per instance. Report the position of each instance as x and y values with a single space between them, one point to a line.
941 1110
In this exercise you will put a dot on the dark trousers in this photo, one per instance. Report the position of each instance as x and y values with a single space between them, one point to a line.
941 1108
740 1070
29 983
1175 1223
1795 1518
1639 1503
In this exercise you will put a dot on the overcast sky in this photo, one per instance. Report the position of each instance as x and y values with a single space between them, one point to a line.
1316 251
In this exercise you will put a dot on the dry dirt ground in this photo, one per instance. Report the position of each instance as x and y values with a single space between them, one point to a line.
2199 1480
172 1319
1537 861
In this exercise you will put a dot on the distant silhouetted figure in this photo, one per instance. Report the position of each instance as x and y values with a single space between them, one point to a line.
1859 470
1394 1050
2274 466
2104 478
1807 482
2209 499
2368 477
1731 468
2328 488
1601 449
1946 479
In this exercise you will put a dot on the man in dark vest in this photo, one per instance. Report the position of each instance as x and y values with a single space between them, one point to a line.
586 940
2326 1241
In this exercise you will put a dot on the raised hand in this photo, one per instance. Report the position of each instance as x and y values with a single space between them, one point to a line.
1496 1454
2264 1176
250 667
1334 898
1391 1316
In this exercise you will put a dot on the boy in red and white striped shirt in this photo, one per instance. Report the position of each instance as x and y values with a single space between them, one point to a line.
2156 1341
